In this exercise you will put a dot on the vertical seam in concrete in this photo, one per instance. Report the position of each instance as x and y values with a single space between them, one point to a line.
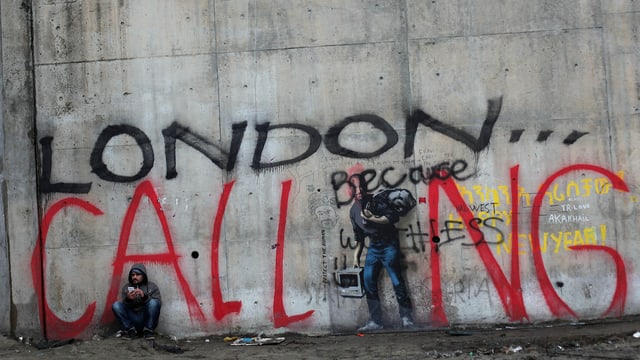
3 184
606 71
407 103
254 51
215 57
406 60
225 173
39 239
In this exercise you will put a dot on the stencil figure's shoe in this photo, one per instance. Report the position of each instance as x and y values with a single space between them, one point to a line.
371 326
407 323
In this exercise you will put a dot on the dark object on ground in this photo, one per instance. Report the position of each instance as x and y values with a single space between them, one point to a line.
51 344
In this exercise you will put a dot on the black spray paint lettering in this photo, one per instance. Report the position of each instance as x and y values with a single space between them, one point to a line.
331 138
263 132
346 243
370 180
482 207
477 145
45 179
452 226
419 237
474 225
218 156
544 135
100 168
215 153
226 159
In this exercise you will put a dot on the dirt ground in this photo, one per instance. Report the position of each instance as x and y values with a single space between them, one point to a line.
587 340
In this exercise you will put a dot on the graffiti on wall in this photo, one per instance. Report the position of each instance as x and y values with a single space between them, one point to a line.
225 159
57 328
482 218
509 290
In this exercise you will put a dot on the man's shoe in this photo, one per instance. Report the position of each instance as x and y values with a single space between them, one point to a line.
407 323
130 334
148 334
370 326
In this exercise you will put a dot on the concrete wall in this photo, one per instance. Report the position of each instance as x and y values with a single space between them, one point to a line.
209 140
19 193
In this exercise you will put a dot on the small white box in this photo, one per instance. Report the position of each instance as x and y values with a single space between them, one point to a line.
351 282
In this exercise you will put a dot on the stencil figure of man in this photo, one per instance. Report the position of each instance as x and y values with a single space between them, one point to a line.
375 219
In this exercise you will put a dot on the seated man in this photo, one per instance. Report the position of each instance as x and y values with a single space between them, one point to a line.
139 310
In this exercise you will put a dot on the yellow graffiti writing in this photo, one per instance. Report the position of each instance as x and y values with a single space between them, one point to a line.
584 188
555 242
500 195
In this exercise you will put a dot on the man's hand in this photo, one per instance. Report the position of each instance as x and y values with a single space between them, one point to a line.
134 294
356 258
368 216
357 252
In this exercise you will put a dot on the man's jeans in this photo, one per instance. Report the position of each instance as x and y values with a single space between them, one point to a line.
385 255
147 318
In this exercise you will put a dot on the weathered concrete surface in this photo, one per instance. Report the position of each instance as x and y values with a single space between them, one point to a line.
205 138
19 194
5 269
